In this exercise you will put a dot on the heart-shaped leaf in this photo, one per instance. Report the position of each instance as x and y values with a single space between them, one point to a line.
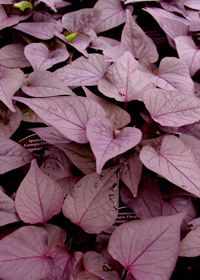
190 245
124 81
84 71
172 108
38 197
106 142
68 114
44 83
141 247
5 20
134 39
93 202
8 213
12 56
8 88
25 254
96 267
175 162
41 58
12 155
188 52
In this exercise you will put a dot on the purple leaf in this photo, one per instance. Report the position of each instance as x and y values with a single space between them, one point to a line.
141 247
81 156
44 83
190 245
81 20
193 224
41 30
172 75
9 121
115 264
172 108
106 142
180 204
134 39
123 80
175 162
24 254
84 71
38 197
112 15
41 58
8 213
96 267
131 173
118 117
172 24
12 155
5 20
189 53
12 56
56 234
148 203
193 4
51 4
193 143
93 203
8 88
103 43
68 114
50 135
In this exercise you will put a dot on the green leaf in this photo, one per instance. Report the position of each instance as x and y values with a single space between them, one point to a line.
71 36
69 245
159 176
23 5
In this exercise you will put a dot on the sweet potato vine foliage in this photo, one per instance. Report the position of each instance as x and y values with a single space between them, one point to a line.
99 112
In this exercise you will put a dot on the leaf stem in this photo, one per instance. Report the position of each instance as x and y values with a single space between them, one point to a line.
124 274
150 120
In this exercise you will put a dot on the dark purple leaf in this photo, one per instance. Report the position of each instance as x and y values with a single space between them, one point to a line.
68 114
9 121
84 71
38 197
141 247
12 56
175 162
93 202
134 39
25 254
44 84
12 155
107 143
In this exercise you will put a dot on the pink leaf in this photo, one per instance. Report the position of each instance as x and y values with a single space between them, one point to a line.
141 247
172 75
51 4
68 114
12 56
172 108
5 20
8 213
81 20
172 24
38 197
84 71
107 143
175 162
193 4
118 117
189 53
12 155
41 58
44 83
148 203
10 121
190 245
96 267
180 204
56 234
124 81
50 135
112 15
192 142
8 88
41 30
134 39
24 254
93 202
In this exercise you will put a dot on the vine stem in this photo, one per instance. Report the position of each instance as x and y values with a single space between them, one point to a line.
150 120
125 106
124 274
